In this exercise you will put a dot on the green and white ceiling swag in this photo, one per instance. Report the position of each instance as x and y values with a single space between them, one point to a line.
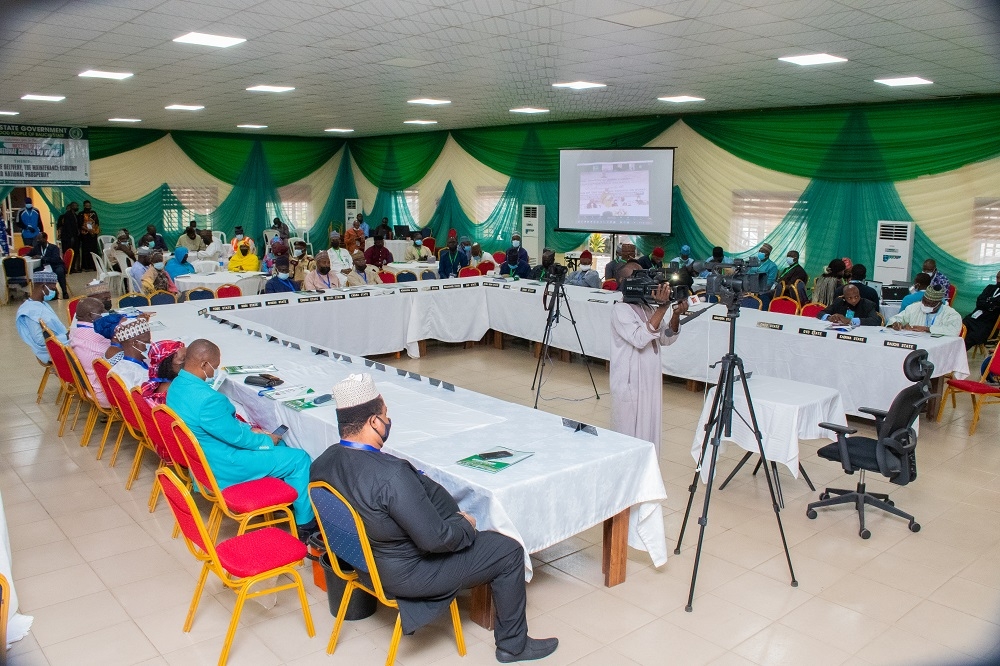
849 166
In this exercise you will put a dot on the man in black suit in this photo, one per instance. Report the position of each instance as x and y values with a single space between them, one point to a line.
858 276
51 257
852 309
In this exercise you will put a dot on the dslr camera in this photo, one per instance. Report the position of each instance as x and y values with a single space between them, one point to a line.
640 287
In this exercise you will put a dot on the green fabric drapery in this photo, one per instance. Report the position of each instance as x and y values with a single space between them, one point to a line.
449 215
391 204
969 279
396 162
108 141
5 190
132 216
332 215
531 152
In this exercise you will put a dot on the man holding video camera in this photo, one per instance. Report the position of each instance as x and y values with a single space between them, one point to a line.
638 330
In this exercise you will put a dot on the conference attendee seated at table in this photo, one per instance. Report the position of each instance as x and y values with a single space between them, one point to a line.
362 274
105 326
465 246
51 259
586 276
88 344
655 259
179 264
477 256
383 230
340 259
300 261
920 282
544 269
452 259
931 314
166 359
235 451
322 276
858 275
134 337
852 309
244 260
281 281
278 249
378 255
515 244
123 243
36 310
427 549
979 323
684 259
930 267
767 267
718 257
214 250
153 240
238 237
830 282
156 278
417 252
514 266
190 240
137 270
793 271
625 254
354 237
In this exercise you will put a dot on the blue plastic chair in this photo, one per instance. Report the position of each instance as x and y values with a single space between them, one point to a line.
428 275
751 302
406 276
133 301
200 294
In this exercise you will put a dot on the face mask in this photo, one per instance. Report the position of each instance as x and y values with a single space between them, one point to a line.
388 427
515 243
282 276
585 267
239 237
151 245
789 261
298 253
210 379
927 309
28 206
323 270
244 251
761 256
49 295
335 244
418 243
158 265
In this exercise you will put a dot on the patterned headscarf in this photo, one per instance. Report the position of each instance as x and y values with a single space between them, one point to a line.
158 352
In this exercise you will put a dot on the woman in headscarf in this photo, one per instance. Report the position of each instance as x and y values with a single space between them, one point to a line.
178 264
106 326
166 358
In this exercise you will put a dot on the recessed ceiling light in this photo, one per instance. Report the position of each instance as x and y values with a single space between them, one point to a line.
528 109
184 107
270 88
429 101
420 122
405 62
812 59
98 74
9 113
43 98
579 85
252 126
341 130
124 120
209 40
899 81
678 99
642 18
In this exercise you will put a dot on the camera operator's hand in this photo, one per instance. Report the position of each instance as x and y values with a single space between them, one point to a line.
662 295
680 308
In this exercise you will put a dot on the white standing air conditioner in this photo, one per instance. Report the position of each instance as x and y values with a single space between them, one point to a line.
893 251
533 231
351 209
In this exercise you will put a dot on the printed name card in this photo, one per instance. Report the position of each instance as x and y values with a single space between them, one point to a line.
203 312
595 300
721 318
433 288
408 290
851 338
813 332
470 284
770 325
247 306
335 297
528 290
453 286
899 345
492 284
309 299
221 308
360 294
280 301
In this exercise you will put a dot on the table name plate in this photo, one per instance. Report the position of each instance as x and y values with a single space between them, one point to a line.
772 326
453 286
899 345
221 308
309 299
280 301
492 284
813 332
335 297
408 290
851 338
595 300
528 290
721 318
360 294
469 284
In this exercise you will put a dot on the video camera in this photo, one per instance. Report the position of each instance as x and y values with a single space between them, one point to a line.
731 282
556 273
642 284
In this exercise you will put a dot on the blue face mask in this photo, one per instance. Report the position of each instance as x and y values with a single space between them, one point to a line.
761 256
158 265
282 276
49 295
515 243
789 261
28 206
418 243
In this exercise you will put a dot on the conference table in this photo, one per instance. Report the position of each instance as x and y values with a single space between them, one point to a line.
250 283
18 625
415 267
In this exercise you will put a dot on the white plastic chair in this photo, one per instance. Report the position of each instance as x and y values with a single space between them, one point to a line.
219 236
106 241
268 235
113 278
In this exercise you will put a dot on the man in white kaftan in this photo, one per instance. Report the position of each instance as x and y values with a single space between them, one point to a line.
637 333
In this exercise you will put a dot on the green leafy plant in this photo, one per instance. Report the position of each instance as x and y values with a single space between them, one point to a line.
596 243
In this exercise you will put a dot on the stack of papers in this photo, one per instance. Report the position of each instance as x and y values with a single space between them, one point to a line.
485 462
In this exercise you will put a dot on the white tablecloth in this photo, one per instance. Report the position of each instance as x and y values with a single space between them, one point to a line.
397 247
34 263
539 502
249 283
17 624
417 268
787 411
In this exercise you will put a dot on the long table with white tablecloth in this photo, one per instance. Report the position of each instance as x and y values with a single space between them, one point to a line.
250 283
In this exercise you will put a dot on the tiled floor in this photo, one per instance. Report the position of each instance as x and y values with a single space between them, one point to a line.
107 585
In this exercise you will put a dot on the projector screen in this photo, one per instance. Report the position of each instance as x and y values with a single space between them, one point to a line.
616 191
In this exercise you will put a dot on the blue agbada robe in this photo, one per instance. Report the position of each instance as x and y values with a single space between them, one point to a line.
28 327
234 452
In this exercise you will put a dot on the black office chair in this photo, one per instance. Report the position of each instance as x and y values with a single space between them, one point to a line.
892 454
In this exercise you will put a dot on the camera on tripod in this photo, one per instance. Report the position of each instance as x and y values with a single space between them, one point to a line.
731 282
556 273
642 284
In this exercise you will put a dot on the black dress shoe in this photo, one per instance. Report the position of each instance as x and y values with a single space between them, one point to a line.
534 648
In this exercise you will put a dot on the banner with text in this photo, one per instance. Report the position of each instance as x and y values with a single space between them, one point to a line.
39 155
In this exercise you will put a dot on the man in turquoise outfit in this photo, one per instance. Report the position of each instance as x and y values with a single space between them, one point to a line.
235 452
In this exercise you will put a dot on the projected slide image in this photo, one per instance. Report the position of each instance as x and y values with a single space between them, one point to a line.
614 189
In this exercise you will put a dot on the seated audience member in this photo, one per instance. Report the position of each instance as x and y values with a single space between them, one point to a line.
235 451
586 276
51 259
920 282
931 314
655 259
417 252
244 261
477 256
979 324
322 277
354 237
138 269
625 254
166 359
930 267
88 344
238 238
514 266
281 281
363 274
378 255
858 275
300 261
122 243
542 270
767 267
35 311
684 259
793 271
105 326
427 549
153 240
852 309
278 249
718 257
179 264
156 278
829 282
190 240
134 337
340 259
214 249
515 244
383 230
451 259
465 246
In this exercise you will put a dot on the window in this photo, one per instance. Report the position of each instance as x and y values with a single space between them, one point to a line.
181 204
295 206
413 204
986 230
487 198
756 214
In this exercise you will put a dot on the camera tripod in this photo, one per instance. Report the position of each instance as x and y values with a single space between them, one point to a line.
558 296
720 423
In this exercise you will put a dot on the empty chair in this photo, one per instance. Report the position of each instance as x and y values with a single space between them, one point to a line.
228 291
200 294
121 398
133 300
162 298
406 276
469 271
610 285
812 310
752 302
68 256
16 271
387 277
23 251
981 393
430 244
499 257
486 266
784 305
428 275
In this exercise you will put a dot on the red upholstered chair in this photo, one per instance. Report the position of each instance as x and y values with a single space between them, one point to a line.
243 502
23 251
121 398
610 285
101 368
812 310
430 244
980 392
486 266
387 277
144 410
228 291
68 260
469 271
64 371
784 305
499 257
72 304
952 292
241 563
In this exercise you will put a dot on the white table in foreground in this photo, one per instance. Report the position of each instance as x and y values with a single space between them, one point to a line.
786 410
397 247
249 283
415 267
17 624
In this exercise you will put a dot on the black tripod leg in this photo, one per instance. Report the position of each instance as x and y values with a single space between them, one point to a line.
777 484
802 471
572 319
736 469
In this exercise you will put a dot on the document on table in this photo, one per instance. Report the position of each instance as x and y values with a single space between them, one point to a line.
485 462
249 369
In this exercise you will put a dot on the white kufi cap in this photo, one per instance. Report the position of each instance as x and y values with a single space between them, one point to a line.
355 390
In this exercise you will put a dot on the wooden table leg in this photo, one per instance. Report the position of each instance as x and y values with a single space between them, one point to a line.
694 386
498 339
937 388
422 348
565 356
615 549
482 612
